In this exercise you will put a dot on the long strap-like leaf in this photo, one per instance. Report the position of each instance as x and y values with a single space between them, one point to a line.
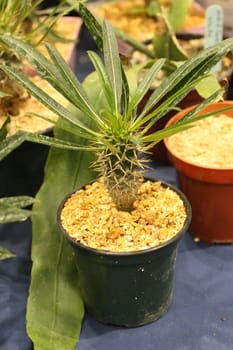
93 26
55 308
12 142
112 64
49 102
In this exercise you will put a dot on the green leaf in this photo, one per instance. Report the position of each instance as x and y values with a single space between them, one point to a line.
49 102
187 121
5 253
177 12
3 129
11 208
55 308
167 45
73 89
112 64
93 26
11 142
207 86
53 141
187 73
145 84
134 43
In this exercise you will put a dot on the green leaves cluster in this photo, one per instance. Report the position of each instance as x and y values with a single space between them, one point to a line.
25 20
118 131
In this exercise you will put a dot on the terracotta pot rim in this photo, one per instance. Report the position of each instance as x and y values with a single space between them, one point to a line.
131 253
208 174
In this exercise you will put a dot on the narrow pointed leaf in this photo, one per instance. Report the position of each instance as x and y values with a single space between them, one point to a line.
103 77
145 84
11 208
177 12
13 215
93 26
3 129
53 141
112 64
55 308
5 253
193 68
37 59
46 100
187 120
74 92
11 142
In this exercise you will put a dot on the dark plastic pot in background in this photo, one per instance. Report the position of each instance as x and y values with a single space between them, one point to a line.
22 171
209 191
127 289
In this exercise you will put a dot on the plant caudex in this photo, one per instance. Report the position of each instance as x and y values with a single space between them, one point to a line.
120 133
24 20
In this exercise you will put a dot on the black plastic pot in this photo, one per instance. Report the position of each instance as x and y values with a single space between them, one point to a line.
127 289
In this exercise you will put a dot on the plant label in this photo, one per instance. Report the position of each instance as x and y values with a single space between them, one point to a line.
214 29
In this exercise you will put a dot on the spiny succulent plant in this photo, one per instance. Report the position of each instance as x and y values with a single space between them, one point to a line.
24 20
119 134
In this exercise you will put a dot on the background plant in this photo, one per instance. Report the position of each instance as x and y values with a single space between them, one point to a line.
24 20
164 43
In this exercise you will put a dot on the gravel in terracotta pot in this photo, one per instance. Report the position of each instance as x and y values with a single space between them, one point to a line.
204 167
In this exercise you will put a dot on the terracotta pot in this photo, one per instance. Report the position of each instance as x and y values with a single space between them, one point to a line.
159 151
209 191
131 288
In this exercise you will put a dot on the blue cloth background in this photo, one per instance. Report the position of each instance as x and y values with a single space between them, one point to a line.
200 317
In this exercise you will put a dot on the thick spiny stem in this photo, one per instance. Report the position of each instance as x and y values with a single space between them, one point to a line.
121 176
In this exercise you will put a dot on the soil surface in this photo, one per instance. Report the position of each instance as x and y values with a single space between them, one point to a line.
91 218
208 144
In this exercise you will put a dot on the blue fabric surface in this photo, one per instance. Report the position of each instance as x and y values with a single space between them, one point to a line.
200 317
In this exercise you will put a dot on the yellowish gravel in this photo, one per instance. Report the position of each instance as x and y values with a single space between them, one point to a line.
209 143
91 218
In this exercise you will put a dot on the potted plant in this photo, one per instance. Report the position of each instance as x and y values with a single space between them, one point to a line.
138 19
26 21
176 47
204 172
114 132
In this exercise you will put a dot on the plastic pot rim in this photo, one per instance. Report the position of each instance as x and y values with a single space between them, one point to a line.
131 253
